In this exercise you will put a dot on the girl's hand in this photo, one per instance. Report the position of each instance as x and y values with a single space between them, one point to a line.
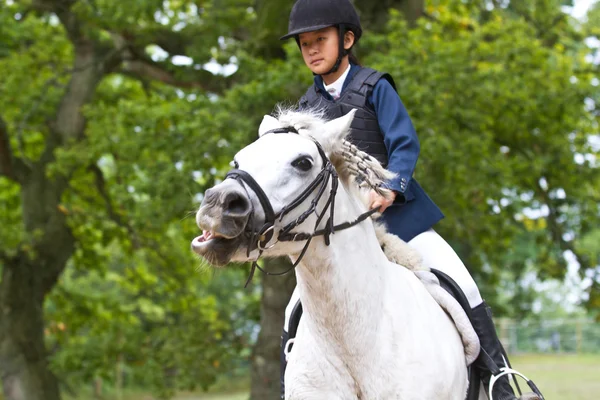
376 200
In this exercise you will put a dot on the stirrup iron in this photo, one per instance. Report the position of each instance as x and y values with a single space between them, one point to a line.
509 371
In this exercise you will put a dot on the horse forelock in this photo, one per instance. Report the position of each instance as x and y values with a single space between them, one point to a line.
307 122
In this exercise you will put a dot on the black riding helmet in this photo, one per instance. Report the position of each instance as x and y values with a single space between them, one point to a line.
312 15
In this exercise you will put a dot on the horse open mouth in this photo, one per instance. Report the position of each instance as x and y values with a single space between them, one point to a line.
215 248
206 237
202 243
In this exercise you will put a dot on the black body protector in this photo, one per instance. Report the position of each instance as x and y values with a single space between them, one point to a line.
365 132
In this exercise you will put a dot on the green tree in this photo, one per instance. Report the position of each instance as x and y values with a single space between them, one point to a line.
94 152
499 100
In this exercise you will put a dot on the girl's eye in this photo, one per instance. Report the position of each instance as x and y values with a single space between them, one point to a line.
321 39
303 163
234 164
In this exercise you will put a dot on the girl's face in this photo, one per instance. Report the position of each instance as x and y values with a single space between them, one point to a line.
320 48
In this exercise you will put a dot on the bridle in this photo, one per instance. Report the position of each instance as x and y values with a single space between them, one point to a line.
259 236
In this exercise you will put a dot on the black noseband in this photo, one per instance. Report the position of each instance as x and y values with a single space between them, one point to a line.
265 233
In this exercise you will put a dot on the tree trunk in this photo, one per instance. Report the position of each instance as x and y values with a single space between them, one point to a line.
413 10
26 279
48 243
23 362
98 388
374 14
277 291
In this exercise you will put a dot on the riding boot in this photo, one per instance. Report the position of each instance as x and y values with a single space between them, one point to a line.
485 329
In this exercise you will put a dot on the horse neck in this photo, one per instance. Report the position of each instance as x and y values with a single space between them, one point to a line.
342 285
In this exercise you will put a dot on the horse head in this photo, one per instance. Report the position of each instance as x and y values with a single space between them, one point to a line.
274 182
268 175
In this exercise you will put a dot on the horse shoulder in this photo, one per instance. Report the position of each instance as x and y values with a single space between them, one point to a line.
309 374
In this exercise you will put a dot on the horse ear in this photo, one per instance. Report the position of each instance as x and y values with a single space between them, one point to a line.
268 123
336 130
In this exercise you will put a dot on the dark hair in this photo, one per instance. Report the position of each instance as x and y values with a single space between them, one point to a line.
352 58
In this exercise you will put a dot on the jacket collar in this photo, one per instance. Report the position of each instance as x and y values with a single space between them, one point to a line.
320 86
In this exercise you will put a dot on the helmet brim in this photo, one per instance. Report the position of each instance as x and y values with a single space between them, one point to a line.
304 30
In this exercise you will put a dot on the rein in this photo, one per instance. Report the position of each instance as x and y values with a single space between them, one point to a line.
260 237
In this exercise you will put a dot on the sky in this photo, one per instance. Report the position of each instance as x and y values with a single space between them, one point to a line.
581 6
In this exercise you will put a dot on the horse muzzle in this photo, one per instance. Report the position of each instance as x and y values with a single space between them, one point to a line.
222 217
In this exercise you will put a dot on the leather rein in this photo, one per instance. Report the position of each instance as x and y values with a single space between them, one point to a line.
259 236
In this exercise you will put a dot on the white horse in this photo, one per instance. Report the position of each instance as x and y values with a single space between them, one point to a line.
370 329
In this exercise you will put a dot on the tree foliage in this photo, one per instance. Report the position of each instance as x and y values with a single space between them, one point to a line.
499 100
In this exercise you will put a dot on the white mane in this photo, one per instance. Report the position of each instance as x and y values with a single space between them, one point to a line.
356 169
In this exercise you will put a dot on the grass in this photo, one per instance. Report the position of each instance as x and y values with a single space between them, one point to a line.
559 377
564 377
140 395
232 396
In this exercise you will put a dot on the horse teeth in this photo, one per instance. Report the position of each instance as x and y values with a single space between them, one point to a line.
208 235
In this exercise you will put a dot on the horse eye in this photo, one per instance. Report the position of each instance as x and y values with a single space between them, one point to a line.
234 164
304 163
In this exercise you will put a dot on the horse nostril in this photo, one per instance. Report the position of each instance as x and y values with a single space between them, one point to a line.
236 203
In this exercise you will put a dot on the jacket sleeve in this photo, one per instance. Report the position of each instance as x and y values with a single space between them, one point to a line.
399 137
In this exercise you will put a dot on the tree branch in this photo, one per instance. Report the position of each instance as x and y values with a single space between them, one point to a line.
174 43
138 65
556 229
6 155
4 258
70 122
41 97
10 166
185 78
88 70
412 9
114 216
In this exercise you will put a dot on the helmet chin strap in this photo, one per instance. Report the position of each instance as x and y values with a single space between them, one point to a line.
341 51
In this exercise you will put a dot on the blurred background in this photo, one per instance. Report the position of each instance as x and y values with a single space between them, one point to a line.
115 116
